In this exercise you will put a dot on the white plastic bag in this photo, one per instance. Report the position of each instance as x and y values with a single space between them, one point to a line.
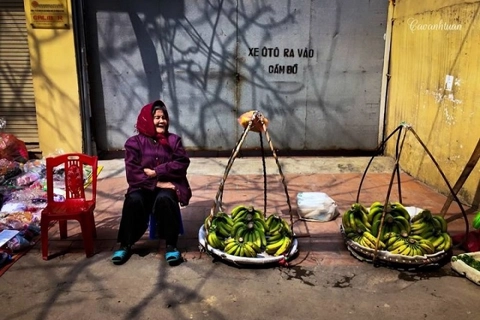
316 206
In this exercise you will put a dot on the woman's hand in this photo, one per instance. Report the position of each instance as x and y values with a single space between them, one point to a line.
165 185
150 172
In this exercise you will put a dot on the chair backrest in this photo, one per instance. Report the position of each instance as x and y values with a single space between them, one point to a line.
73 165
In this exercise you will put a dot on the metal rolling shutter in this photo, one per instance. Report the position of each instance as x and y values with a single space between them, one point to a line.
17 102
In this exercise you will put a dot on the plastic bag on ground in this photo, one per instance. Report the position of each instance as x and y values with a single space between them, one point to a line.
12 148
316 206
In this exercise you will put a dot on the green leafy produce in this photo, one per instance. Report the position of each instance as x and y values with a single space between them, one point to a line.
469 260
476 221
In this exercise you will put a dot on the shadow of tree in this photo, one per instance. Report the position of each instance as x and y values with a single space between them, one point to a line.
197 58
16 87
199 62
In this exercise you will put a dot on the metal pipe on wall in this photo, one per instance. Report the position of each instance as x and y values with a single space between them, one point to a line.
385 74
80 50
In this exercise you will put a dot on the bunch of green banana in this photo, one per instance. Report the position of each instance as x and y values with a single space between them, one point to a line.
433 228
275 224
251 232
238 229
213 238
249 214
426 221
441 241
243 213
241 248
429 228
236 210
279 236
278 244
421 228
246 233
408 245
397 209
366 239
239 223
396 218
375 211
397 224
355 219
256 217
223 224
390 238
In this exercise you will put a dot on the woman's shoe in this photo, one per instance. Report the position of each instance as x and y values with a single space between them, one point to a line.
173 257
121 255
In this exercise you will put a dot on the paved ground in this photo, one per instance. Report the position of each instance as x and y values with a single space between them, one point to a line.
323 282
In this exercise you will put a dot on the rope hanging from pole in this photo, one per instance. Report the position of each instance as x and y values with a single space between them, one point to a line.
257 123
404 128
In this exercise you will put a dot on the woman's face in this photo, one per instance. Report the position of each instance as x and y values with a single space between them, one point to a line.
160 121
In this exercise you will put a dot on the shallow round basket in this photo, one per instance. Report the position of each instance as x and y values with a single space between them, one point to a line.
262 258
397 261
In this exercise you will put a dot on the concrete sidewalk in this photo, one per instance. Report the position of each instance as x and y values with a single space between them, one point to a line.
323 282
338 177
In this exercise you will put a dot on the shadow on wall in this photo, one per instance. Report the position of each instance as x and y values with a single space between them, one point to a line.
52 91
206 61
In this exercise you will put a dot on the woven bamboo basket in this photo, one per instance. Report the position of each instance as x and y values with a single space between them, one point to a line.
383 257
397 261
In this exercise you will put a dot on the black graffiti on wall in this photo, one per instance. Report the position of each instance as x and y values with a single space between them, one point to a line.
287 53
275 52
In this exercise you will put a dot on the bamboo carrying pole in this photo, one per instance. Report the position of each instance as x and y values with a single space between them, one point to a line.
257 117
472 162
396 172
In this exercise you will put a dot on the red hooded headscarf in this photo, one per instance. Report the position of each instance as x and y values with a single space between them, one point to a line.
145 124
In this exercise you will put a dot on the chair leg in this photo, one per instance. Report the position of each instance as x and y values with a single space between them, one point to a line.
44 237
87 234
62 224
92 224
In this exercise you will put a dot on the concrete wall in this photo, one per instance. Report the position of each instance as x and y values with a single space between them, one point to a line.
55 84
433 40
210 62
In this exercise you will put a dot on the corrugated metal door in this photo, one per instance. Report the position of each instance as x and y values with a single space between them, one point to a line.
314 68
17 102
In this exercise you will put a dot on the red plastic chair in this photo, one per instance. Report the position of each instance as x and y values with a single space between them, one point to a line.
75 206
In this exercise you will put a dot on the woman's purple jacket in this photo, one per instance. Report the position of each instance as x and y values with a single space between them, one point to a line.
170 165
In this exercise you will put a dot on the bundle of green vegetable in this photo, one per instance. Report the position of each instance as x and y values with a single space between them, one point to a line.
469 260
476 221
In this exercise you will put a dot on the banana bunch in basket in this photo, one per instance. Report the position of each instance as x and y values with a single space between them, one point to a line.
398 233
432 228
246 233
